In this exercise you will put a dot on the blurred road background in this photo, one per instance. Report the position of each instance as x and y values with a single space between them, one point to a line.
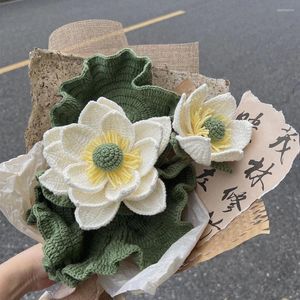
255 44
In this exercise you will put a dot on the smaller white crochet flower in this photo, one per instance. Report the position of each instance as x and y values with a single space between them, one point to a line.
207 130
105 160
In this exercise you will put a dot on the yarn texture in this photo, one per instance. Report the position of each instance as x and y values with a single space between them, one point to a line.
72 254
124 78
207 130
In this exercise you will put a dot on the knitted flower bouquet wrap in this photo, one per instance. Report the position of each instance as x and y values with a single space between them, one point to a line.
136 177
113 189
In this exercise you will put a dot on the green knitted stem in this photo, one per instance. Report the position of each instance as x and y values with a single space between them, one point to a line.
216 128
123 78
222 166
108 156
72 255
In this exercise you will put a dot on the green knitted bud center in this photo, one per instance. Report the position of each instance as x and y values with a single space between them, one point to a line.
108 156
216 128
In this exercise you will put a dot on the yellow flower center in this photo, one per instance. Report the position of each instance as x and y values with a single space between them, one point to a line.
109 156
206 123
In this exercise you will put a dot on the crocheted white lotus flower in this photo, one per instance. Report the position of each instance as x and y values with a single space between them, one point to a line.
207 130
104 160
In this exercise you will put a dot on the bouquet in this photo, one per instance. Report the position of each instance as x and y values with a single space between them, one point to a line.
137 165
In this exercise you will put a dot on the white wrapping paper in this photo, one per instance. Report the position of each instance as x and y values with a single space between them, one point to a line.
129 278
17 182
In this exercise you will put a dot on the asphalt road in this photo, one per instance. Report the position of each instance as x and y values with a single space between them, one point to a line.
256 45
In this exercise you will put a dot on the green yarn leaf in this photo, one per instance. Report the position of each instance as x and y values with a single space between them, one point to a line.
72 255
123 78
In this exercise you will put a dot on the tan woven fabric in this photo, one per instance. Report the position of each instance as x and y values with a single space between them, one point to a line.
179 57
250 223
85 38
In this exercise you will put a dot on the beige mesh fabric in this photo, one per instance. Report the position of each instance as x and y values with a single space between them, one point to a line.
179 57
85 38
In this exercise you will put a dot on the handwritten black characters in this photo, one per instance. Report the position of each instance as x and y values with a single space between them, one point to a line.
234 199
254 121
256 173
202 178
282 142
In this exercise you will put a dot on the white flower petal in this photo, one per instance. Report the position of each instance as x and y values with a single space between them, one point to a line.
165 122
56 157
177 125
92 115
147 184
193 103
81 198
197 147
90 218
75 137
224 104
153 204
241 134
227 155
76 176
120 192
54 182
149 154
111 104
185 118
52 135
147 128
198 96
116 122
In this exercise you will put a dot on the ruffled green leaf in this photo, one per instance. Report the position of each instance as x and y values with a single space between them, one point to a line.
73 255
123 78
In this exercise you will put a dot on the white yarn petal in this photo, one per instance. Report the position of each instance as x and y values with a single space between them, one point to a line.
54 182
75 137
165 122
116 122
197 147
148 128
198 96
111 104
149 154
76 176
120 192
227 155
177 125
56 157
81 198
92 115
52 135
153 204
90 218
241 134
147 184
223 104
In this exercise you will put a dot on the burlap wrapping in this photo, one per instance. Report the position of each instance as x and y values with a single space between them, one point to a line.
86 38
49 68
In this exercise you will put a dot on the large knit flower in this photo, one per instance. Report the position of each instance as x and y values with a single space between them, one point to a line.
207 130
105 160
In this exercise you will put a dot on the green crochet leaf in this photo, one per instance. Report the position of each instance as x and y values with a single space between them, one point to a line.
72 255
123 78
